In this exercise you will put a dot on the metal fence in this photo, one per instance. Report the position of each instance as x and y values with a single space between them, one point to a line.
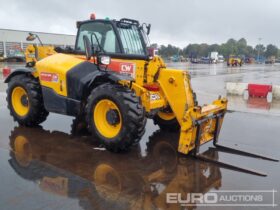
1 48
8 48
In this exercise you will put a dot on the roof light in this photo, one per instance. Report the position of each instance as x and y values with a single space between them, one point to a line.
92 16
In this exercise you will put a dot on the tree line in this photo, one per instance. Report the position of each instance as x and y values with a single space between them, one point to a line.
231 47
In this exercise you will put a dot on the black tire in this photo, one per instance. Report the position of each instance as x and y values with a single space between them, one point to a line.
167 125
79 127
141 128
37 112
131 111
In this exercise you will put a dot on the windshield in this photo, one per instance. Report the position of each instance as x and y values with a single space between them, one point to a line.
103 32
131 39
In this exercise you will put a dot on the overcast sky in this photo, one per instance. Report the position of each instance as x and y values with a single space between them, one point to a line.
178 22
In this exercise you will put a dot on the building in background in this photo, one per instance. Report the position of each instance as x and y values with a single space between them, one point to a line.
13 42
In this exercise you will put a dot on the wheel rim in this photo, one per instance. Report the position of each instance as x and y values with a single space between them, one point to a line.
20 101
166 115
107 118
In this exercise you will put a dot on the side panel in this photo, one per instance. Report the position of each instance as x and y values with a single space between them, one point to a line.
60 104
53 69
132 67
81 77
78 77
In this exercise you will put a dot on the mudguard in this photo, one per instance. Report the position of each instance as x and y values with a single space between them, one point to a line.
85 76
19 71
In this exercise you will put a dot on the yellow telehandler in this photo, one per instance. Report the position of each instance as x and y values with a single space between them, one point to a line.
234 61
114 82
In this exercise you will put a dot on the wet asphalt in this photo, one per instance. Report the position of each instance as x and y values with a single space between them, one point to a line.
59 166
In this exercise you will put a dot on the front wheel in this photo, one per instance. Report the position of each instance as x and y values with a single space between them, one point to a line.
115 116
25 100
167 121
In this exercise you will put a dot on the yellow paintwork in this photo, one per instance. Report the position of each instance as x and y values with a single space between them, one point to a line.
174 91
19 108
42 51
58 64
166 116
189 129
234 59
177 91
147 96
99 117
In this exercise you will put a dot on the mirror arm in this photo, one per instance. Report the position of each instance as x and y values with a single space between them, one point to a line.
39 39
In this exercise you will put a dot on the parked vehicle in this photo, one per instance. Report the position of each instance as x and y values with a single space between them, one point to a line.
234 61
214 57
221 59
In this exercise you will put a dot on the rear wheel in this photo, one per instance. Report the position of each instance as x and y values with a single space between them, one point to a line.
25 100
79 126
167 121
115 116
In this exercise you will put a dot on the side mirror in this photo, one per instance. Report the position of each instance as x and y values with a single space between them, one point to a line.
104 60
88 47
30 37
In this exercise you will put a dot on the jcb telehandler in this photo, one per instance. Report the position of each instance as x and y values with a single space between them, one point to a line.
114 82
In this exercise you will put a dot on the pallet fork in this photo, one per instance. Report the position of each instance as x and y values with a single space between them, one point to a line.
227 149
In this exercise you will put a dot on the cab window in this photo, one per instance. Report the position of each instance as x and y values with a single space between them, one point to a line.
130 38
104 33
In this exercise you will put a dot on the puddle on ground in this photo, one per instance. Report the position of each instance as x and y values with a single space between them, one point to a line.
49 166
58 166
254 105
70 166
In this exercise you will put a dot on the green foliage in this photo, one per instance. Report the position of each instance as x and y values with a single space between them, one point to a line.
259 50
271 50
231 47
169 51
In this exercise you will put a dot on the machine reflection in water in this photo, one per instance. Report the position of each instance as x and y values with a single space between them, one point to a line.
67 165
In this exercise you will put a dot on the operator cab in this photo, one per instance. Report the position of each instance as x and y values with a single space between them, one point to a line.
125 38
